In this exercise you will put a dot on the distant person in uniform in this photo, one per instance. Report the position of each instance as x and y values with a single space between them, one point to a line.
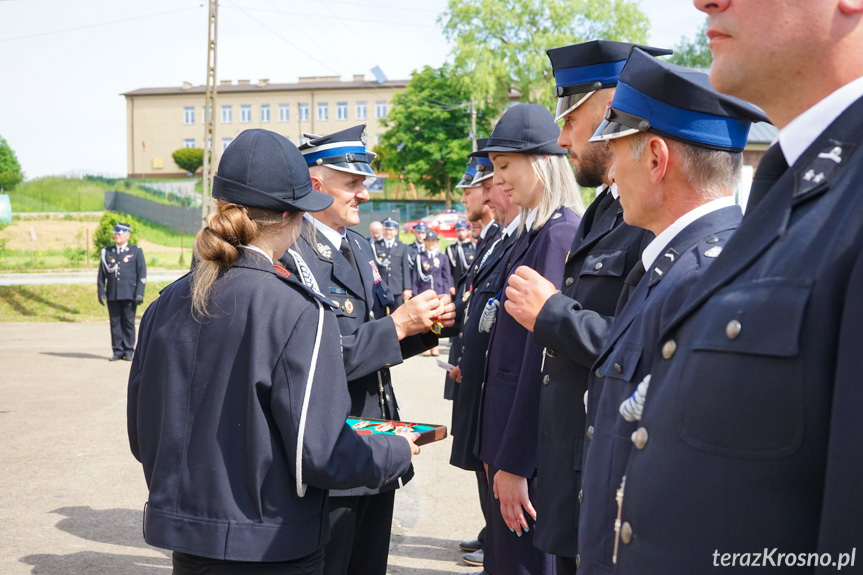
376 231
417 247
391 254
460 253
120 283
431 272
237 395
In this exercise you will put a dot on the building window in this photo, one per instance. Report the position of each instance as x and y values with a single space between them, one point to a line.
323 111
189 115
362 111
380 110
226 142
245 114
284 112
304 112
342 110
227 114
265 113
204 114
189 143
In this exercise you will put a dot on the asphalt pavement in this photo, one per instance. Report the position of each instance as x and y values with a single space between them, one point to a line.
71 494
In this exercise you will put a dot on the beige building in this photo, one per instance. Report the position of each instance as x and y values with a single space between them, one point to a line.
161 120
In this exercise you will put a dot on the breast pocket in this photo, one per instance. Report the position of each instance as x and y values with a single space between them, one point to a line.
619 383
601 263
741 393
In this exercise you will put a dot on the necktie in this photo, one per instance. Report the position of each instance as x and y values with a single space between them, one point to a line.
345 248
770 169
629 285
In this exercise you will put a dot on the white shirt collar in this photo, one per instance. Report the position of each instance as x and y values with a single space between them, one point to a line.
513 226
603 187
332 235
122 247
659 243
531 217
484 230
803 130
389 243
259 250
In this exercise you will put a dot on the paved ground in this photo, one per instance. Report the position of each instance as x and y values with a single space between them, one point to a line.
71 493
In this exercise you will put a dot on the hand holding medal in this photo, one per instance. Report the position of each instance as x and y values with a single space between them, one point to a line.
423 312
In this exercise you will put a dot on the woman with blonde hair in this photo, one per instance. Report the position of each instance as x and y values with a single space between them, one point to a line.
237 394
536 175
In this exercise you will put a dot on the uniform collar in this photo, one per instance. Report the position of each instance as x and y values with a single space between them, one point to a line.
659 243
121 247
259 250
333 236
531 217
513 226
485 229
803 130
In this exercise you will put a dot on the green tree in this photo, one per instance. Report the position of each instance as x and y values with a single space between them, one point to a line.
189 159
693 53
10 170
501 44
428 131
104 235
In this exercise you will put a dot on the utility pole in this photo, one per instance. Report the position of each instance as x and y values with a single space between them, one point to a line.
473 124
209 113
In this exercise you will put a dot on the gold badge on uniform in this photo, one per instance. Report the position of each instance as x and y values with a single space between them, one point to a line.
426 266
465 296
349 306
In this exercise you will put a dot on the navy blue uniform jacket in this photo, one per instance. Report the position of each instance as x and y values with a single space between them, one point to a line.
509 419
393 265
213 415
573 327
436 268
754 410
472 356
129 279
369 341
628 355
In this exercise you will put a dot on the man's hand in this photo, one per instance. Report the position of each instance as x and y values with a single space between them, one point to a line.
139 299
455 374
406 294
101 299
411 437
511 490
526 293
417 314
446 311
452 292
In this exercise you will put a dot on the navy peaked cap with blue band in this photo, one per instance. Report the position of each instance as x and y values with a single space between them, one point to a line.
262 169
677 103
461 225
524 129
432 235
390 224
121 228
469 173
582 69
344 151
484 167
421 227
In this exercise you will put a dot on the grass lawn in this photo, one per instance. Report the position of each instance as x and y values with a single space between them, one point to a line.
69 302
55 194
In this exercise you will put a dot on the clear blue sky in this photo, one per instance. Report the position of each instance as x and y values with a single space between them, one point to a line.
63 64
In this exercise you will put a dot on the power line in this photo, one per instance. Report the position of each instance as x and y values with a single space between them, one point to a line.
88 26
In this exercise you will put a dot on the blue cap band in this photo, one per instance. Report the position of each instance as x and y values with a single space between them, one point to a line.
687 125
607 73
312 158
483 161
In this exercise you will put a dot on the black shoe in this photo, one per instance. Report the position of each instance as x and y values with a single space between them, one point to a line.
470 546
474 559
116 356
128 357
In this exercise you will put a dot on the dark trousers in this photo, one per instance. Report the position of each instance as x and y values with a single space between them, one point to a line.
185 564
359 534
504 552
122 314
482 488
399 298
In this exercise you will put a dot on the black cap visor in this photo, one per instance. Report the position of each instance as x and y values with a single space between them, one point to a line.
619 124
237 193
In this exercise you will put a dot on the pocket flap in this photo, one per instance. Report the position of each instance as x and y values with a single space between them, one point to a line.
604 263
759 318
622 362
